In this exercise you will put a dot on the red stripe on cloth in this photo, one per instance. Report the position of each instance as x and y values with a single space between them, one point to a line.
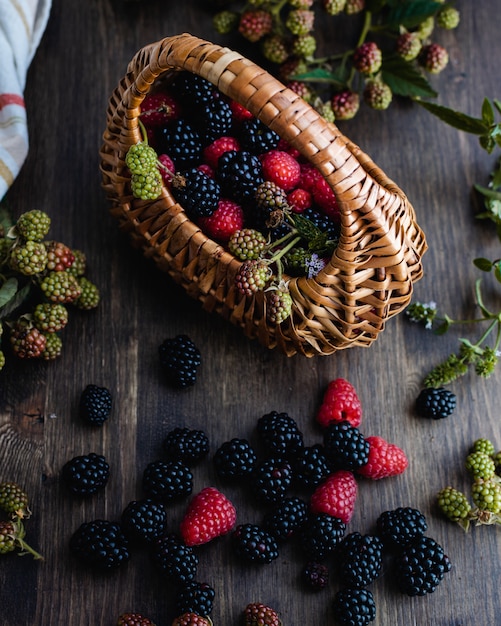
11 98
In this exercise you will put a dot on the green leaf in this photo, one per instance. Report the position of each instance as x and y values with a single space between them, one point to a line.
497 104
487 143
483 264
404 79
11 297
497 271
8 291
412 14
456 119
322 75
487 192
443 328
487 112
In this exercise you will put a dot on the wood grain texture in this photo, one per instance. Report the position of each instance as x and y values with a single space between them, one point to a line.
82 56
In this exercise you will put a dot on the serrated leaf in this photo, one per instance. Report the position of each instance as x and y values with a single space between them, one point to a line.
412 14
487 112
12 296
483 264
404 79
322 75
456 119
306 228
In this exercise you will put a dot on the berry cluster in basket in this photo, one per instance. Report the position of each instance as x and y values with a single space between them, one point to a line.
14 501
240 182
39 278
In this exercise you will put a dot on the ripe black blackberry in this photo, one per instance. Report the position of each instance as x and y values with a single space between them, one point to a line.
270 480
435 403
100 544
322 222
192 90
320 534
196 192
167 480
95 404
86 474
186 445
286 517
195 597
144 520
239 174
315 576
180 359
345 446
420 566
310 466
234 459
253 543
175 559
214 120
400 526
360 559
182 142
354 607
256 137
279 434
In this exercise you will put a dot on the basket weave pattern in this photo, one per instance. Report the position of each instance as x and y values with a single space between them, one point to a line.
371 273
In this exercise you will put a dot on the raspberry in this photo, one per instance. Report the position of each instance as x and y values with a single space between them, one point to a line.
279 433
300 21
354 606
167 480
50 318
315 576
209 515
7 537
60 287
333 7
226 220
453 504
275 48
195 597
252 277
133 619
303 46
33 225
320 535
281 168
219 146
239 173
144 521
408 46
421 566
278 304
310 466
345 447
377 95
480 465
401 526
254 25
258 614
186 445
86 474
27 341
234 459
59 256
270 480
100 544
486 494
483 445
247 244
324 196
340 403
286 517
255 544
182 142
141 158
434 58
367 58
240 113
14 500
53 347
29 258
177 561
95 405
180 359
89 297
359 559
448 17
309 175
191 619
345 105
336 496
435 403
158 109
166 168
385 459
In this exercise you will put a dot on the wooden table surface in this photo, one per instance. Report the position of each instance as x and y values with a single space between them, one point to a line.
83 55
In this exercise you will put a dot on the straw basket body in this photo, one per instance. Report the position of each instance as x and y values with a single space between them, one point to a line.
371 273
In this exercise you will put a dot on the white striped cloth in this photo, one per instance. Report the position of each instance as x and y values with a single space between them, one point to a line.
22 23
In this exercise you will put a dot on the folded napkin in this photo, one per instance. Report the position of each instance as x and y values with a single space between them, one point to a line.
22 23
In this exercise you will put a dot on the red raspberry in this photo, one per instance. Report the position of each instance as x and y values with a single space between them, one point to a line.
285 146
240 113
340 403
385 459
219 146
299 200
206 169
210 514
157 109
336 496
167 168
325 198
281 168
254 25
226 219
309 175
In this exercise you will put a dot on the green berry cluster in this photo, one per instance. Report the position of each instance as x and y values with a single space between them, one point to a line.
483 465
393 53
39 278
14 503
146 179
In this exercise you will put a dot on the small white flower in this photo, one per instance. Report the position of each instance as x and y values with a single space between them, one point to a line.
314 265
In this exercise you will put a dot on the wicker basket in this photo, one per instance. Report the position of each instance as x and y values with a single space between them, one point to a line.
371 273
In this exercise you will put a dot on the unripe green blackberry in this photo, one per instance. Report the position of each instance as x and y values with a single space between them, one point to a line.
275 49
29 258
278 304
353 7
426 28
300 21
480 465
296 261
79 265
252 277
53 347
453 504
497 462
377 95
345 104
448 17
326 111
7 537
367 58
60 287
14 500
89 296
247 244
147 186
483 445
2 360
225 22
59 256
49 317
486 495
408 46
333 7
33 225
27 341
434 58
141 158
304 46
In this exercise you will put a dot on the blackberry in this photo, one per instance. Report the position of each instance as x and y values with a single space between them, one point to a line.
195 597
270 480
14 500
100 544
435 403
167 480
33 225
320 534
175 559
234 459
60 287
192 90
7 537
133 619
310 466
286 517
239 173
95 404
280 434
253 543
29 258
89 297
401 526
345 446
354 607
196 192
420 566
322 222
214 120
360 559
144 520
186 445
180 359
86 474
256 137
182 142
315 576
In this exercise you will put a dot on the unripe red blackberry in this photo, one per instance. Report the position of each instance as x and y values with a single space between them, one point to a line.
333 7
27 341
302 89
448 17
377 95
278 304
304 46
7 537
353 7
290 68
300 21
434 58
29 258
79 265
275 49
89 297
247 244
408 46
49 317
33 225
252 277
59 256
225 22
53 347
61 287
254 25
345 104
367 58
